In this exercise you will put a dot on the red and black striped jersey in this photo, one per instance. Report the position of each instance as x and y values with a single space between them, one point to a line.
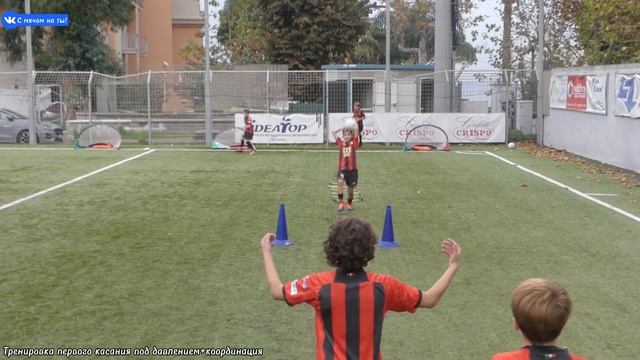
535 352
248 124
350 310
347 156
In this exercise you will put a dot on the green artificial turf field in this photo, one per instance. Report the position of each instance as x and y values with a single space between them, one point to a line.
164 250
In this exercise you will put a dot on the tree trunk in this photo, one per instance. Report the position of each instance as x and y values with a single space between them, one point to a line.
506 35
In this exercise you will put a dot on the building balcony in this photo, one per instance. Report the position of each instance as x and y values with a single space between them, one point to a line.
133 43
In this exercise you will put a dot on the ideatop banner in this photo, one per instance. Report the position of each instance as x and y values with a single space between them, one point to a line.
287 129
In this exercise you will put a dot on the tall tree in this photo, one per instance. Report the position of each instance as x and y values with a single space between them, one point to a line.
412 36
308 34
506 33
241 32
81 46
561 45
607 30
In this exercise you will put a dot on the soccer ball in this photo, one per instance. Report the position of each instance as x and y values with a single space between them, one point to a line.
350 124
511 145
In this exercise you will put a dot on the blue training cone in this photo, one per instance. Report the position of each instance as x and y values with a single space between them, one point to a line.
388 239
282 236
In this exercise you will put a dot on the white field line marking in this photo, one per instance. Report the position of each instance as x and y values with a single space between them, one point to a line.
224 150
577 192
398 151
66 149
596 194
37 149
79 178
483 153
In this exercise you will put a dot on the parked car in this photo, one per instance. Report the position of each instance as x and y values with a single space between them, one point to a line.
14 128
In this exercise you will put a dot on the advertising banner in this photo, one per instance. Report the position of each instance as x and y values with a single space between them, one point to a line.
577 93
287 129
394 127
628 95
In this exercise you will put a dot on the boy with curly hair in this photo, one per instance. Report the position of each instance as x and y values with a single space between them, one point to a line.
350 303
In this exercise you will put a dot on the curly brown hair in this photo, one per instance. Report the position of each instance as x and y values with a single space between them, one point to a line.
350 245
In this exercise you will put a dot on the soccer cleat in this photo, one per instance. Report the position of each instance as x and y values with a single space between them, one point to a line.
349 207
252 152
340 206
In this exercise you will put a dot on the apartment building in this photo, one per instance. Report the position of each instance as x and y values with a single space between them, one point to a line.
157 31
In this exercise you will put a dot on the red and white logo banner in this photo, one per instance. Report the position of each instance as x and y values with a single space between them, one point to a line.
394 127
577 93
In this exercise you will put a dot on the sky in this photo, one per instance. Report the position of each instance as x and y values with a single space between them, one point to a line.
486 8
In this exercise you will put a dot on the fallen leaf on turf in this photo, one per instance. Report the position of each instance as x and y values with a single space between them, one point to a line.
523 184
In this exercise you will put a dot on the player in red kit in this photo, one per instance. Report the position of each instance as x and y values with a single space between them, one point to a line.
248 132
347 165
350 303
358 116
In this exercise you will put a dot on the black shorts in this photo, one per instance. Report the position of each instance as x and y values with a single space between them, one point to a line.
248 136
349 176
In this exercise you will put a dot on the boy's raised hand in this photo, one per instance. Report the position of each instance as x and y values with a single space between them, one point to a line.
451 248
266 242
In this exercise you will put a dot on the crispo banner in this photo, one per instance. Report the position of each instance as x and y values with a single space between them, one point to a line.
287 129
394 127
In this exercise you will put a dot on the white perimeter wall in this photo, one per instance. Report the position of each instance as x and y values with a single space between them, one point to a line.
610 139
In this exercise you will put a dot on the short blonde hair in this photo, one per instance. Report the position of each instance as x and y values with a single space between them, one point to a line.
541 309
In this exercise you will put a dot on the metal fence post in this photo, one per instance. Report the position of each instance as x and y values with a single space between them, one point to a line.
325 100
33 137
89 97
268 100
208 128
539 75
349 92
149 107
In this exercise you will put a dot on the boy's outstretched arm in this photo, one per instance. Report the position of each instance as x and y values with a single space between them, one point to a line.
431 297
275 285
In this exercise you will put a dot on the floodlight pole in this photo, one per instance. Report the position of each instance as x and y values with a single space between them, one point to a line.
207 76
387 66
33 138
539 75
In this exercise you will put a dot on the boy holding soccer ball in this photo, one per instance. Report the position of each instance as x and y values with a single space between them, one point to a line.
347 165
